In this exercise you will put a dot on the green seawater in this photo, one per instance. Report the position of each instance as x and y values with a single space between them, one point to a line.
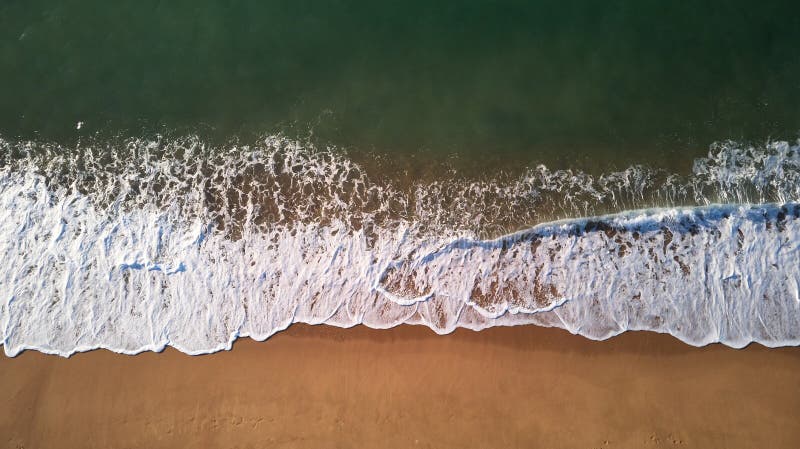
592 84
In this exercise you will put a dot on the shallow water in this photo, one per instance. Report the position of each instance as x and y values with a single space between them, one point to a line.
141 244
184 173
564 83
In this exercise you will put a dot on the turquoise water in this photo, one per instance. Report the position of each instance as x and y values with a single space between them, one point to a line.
560 82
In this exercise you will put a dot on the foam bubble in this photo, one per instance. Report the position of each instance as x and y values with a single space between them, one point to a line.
137 245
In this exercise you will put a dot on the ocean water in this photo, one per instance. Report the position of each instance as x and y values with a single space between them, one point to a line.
140 244
186 173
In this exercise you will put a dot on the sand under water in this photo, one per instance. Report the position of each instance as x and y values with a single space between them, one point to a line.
138 245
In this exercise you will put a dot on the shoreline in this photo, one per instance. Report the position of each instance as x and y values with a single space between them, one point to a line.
308 386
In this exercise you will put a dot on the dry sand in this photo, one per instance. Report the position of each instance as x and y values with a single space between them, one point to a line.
324 387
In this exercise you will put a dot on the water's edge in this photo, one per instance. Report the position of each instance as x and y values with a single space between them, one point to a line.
746 239
158 245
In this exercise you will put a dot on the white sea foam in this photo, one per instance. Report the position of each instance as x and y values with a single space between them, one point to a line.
137 245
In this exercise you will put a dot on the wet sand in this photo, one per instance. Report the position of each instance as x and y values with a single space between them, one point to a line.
318 386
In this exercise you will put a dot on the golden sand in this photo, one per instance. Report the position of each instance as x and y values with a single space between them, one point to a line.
323 387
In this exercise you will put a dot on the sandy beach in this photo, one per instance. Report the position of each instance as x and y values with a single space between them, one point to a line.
319 386
177 174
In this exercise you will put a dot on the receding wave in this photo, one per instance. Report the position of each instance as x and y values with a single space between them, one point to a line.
140 244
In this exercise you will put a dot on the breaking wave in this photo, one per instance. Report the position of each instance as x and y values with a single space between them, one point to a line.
144 243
